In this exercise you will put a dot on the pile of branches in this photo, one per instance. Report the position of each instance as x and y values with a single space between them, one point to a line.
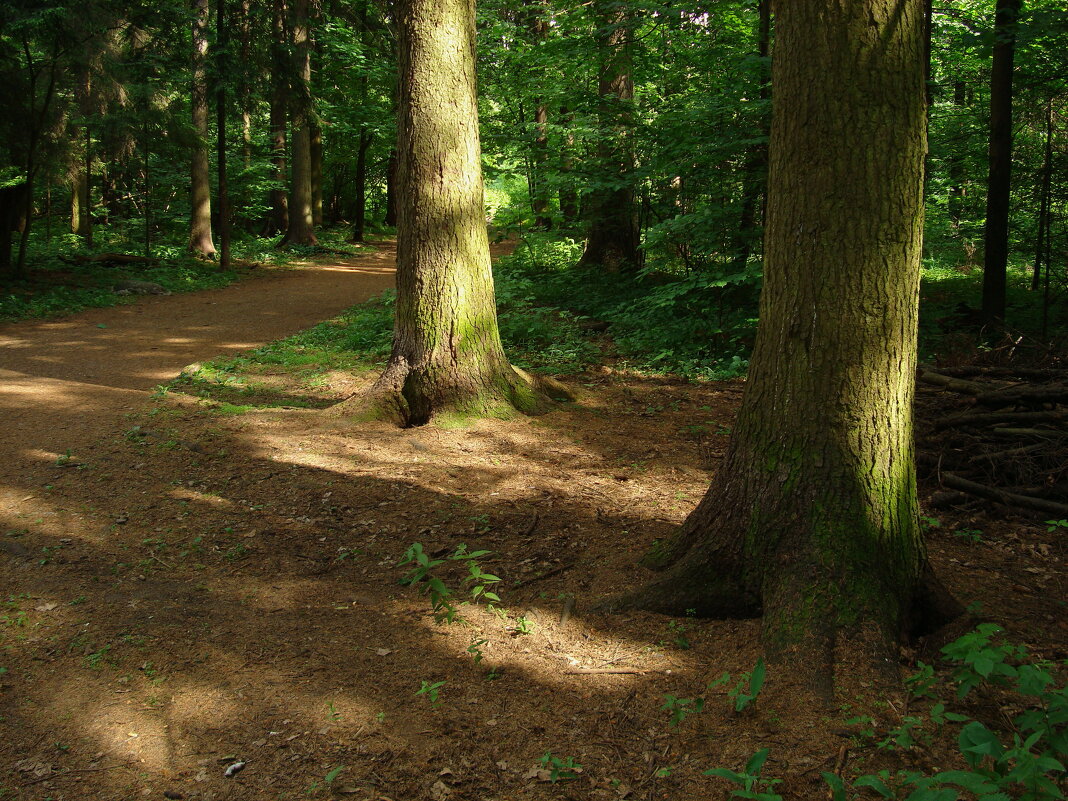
997 433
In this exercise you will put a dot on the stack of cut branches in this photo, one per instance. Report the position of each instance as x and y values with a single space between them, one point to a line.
997 433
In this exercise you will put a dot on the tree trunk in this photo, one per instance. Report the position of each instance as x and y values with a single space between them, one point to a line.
447 354
316 153
278 221
569 202
200 241
301 229
360 223
1044 200
220 133
812 518
756 165
612 236
391 190
996 237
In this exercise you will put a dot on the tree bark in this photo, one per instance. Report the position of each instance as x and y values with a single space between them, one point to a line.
811 521
278 221
996 236
200 241
301 229
612 236
220 133
316 154
447 353
391 190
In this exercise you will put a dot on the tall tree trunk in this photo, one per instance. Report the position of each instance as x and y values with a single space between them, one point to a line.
221 73
955 168
360 222
756 165
996 237
1045 197
569 201
200 241
447 354
391 189
316 141
278 220
612 236
811 520
301 229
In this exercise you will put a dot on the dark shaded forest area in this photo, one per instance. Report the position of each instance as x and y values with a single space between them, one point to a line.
617 400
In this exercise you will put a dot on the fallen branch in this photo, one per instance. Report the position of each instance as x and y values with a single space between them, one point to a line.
1010 453
989 418
952 384
1048 433
545 575
1006 498
590 671
1027 394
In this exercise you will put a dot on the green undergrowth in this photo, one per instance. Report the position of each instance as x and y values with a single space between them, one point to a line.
698 324
54 287
701 323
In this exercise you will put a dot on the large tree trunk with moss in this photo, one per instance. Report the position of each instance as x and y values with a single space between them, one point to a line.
200 188
447 354
301 229
612 236
811 521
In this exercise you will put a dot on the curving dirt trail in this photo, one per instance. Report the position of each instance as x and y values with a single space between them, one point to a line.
62 381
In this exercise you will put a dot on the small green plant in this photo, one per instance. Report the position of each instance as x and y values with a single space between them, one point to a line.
677 632
65 459
681 708
973 536
333 773
522 625
750 784
95 659
475 648
560 769
332 713
745 692
442 598
1056 525
432 692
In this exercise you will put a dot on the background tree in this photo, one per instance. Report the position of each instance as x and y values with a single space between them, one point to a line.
200 240
447 353
812 519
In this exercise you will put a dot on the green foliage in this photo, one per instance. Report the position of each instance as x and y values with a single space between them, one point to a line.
747 688
681 708
432 691
749 782
442 598
560 768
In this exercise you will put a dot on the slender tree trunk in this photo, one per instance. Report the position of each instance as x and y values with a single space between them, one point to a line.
221 71
301 229
316 140
996 238
360 222
278 220
447 354
200 241
955 168
812 519
756 165
612 236
1045 196
569 201
391 189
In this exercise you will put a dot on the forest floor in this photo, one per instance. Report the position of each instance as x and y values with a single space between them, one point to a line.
186 586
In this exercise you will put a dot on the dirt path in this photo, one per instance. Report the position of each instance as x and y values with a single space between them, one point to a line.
62 381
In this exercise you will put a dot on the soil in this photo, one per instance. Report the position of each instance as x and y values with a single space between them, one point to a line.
187 590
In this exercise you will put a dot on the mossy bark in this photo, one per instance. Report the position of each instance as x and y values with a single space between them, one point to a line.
812 519
447 353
